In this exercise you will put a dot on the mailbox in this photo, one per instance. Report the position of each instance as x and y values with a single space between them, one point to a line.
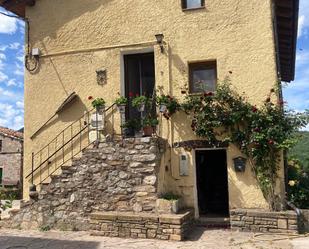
240 164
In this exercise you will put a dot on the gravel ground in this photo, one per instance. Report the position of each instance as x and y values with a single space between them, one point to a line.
201 238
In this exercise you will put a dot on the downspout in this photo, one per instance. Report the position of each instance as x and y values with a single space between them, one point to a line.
300 220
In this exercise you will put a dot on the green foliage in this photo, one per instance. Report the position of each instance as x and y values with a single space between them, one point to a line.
171 104
9 194
170 197
134 124
260 133
153 122
121 101
301 148
45 228
298 178
98 102
138 101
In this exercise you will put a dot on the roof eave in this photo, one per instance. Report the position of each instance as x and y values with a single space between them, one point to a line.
17 7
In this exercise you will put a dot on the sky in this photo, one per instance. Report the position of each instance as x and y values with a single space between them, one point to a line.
11 69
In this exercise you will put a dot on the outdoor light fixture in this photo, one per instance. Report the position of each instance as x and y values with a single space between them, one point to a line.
240 164
160 38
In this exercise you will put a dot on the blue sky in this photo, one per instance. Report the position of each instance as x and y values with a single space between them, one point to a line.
11 69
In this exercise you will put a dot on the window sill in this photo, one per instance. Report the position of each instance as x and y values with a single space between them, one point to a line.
197 8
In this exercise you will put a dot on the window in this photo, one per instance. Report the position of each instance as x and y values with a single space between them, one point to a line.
193 4
203 77
0 145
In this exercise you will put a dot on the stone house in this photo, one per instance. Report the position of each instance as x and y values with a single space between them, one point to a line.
11 157
84 49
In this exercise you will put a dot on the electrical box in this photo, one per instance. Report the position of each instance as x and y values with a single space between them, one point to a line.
36 52
183 165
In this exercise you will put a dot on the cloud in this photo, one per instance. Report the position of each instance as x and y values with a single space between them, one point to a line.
19 69
8 25
301 25
11 116
3 77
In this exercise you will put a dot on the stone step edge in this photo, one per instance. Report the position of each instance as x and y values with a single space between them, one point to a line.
176 219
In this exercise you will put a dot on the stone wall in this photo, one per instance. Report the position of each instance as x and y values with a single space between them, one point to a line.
151 226
11 160
263 221
118 176
305 217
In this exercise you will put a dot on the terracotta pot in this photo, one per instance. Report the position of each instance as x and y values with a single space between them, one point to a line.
148 131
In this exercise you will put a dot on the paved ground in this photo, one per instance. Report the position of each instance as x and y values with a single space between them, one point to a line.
210 239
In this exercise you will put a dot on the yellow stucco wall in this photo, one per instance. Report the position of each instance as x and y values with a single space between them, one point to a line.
77 37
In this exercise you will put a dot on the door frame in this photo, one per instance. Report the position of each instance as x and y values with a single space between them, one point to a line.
122 66
195 194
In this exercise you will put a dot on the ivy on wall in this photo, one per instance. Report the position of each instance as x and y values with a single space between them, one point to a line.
261 133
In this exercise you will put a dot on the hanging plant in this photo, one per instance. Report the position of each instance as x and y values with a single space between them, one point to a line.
98 103
167 105
260 133
121 103
140 102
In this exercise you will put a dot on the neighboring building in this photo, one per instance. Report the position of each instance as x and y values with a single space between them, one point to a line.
11 157
101 48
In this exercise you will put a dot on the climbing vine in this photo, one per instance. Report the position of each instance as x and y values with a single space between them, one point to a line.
261 133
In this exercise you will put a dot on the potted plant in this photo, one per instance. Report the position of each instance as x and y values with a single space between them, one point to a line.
149 126
168 203
121 103
168 105
131 126
140 102
99 104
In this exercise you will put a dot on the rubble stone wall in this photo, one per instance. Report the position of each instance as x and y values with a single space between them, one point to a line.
264 221
117 176
128 225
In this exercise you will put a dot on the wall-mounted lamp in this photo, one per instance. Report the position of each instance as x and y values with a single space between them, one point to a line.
160 38
240 164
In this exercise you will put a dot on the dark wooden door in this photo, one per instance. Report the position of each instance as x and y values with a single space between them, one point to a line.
212 182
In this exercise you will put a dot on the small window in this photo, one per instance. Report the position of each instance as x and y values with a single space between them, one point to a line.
0 145
203 77
193 4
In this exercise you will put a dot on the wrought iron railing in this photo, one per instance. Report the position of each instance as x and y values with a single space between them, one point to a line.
66 145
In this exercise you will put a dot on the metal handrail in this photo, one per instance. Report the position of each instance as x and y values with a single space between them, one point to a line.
42 164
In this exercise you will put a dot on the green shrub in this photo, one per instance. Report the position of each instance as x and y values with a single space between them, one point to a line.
298 179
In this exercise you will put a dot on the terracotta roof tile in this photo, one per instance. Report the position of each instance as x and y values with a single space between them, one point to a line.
11 133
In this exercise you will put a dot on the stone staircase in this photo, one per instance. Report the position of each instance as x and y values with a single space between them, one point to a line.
118 176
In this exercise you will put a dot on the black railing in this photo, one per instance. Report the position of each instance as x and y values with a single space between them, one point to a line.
66 145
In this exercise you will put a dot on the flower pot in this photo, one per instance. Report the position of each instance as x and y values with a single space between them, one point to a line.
168 206
141 108
163 108
148 131
100 109
122 108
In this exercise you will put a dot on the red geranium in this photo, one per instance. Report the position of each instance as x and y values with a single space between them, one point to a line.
131 94
90 97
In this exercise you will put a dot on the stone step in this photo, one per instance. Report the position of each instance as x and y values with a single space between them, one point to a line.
213 222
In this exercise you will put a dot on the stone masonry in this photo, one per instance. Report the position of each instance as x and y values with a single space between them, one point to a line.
142 225
263 221
117 176
11 149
